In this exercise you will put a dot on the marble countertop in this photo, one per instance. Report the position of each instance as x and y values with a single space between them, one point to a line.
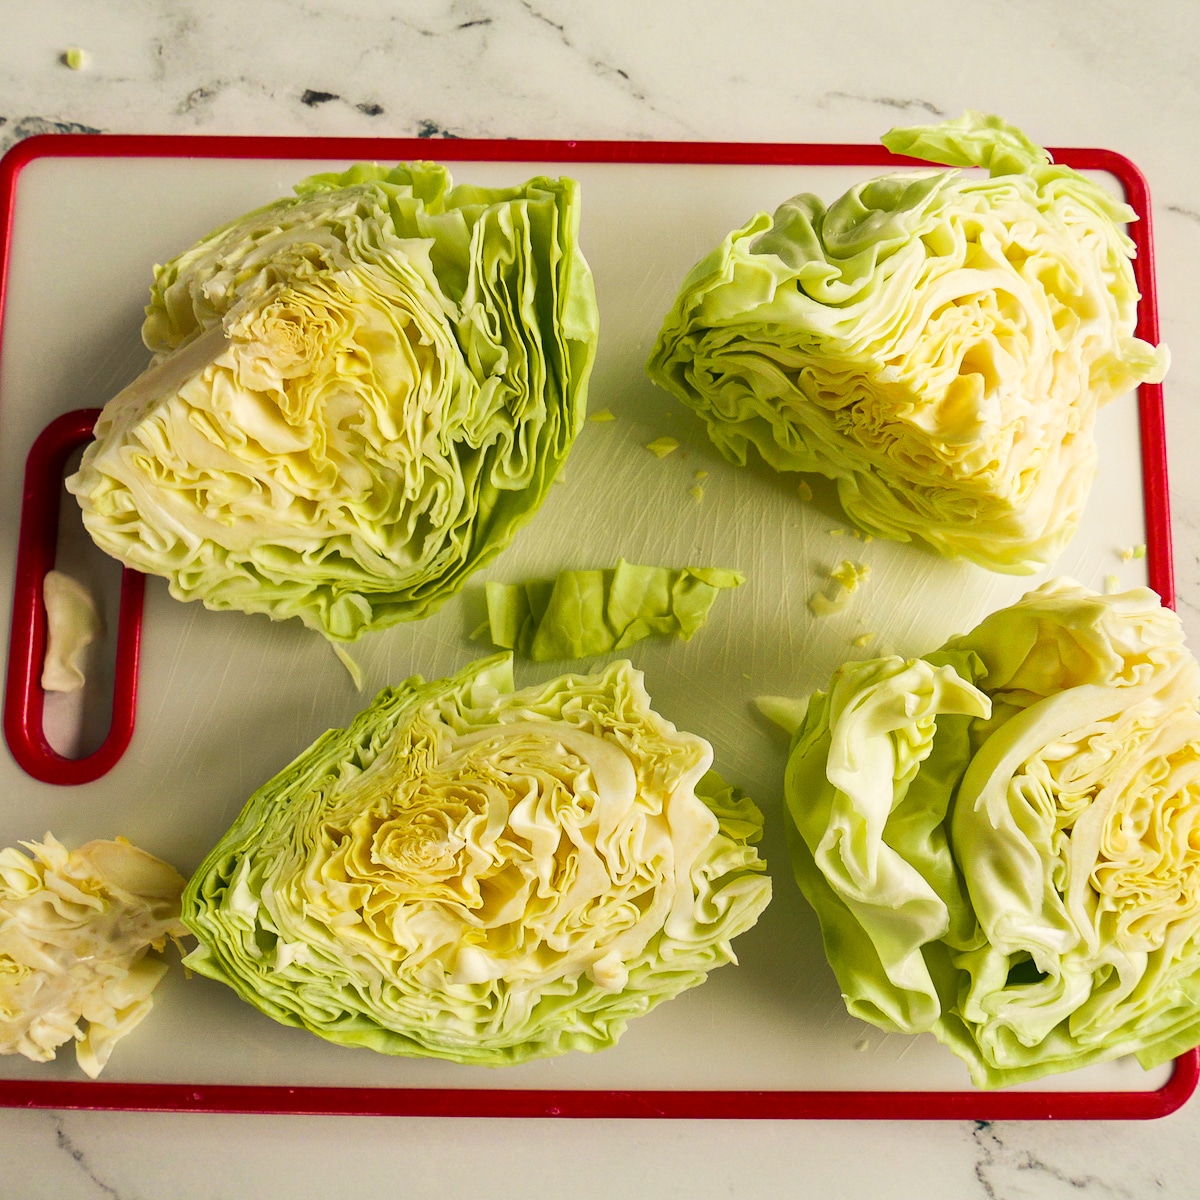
1111 74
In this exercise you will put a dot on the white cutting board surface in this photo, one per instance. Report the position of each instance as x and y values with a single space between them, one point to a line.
226 700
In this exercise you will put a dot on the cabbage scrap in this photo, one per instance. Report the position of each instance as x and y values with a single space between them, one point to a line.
75 928
358 395
935 341
844 580
1002 839
580 613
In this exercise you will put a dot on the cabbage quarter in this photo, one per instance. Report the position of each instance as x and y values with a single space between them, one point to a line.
482 875
937 342
1002 839
357 396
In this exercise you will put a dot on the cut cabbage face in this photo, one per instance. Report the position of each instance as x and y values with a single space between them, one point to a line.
935 341
75 928
482 875
1002 839
357 396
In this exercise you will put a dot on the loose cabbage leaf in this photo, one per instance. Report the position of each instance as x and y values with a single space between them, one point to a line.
75 928
482 875
1001 839
937 342
358 394
73 623
579 613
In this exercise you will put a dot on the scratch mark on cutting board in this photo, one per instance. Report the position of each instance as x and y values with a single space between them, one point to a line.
197 721
834 1014
179 646
646 297
120 362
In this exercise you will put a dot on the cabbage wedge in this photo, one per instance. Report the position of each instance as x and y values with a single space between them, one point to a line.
357 395
482 875
1002 839
938 342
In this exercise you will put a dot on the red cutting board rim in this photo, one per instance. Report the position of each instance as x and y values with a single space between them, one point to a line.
477 1102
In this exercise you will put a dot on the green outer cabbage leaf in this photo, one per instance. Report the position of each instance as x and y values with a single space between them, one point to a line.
482 875
358 395
1002 839
579 613
937 342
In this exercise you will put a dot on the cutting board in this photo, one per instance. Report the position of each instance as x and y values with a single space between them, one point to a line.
224 700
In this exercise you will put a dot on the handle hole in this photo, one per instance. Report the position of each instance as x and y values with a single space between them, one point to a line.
77 723
68 738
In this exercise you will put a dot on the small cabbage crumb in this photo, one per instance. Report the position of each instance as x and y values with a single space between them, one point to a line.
663 446
696 492
602 415
837 533
351 664
701 476
804 491
1112 585
844 581
864 639
75 58
850 574
822 604
785 711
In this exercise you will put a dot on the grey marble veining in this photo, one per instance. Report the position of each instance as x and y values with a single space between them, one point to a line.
1110 74
145 1157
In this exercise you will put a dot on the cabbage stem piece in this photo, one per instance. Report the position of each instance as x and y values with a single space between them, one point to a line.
73 623
482 875
579 613
936 342
1002 839
358 395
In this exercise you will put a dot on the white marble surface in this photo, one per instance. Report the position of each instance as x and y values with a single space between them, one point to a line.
1110 73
